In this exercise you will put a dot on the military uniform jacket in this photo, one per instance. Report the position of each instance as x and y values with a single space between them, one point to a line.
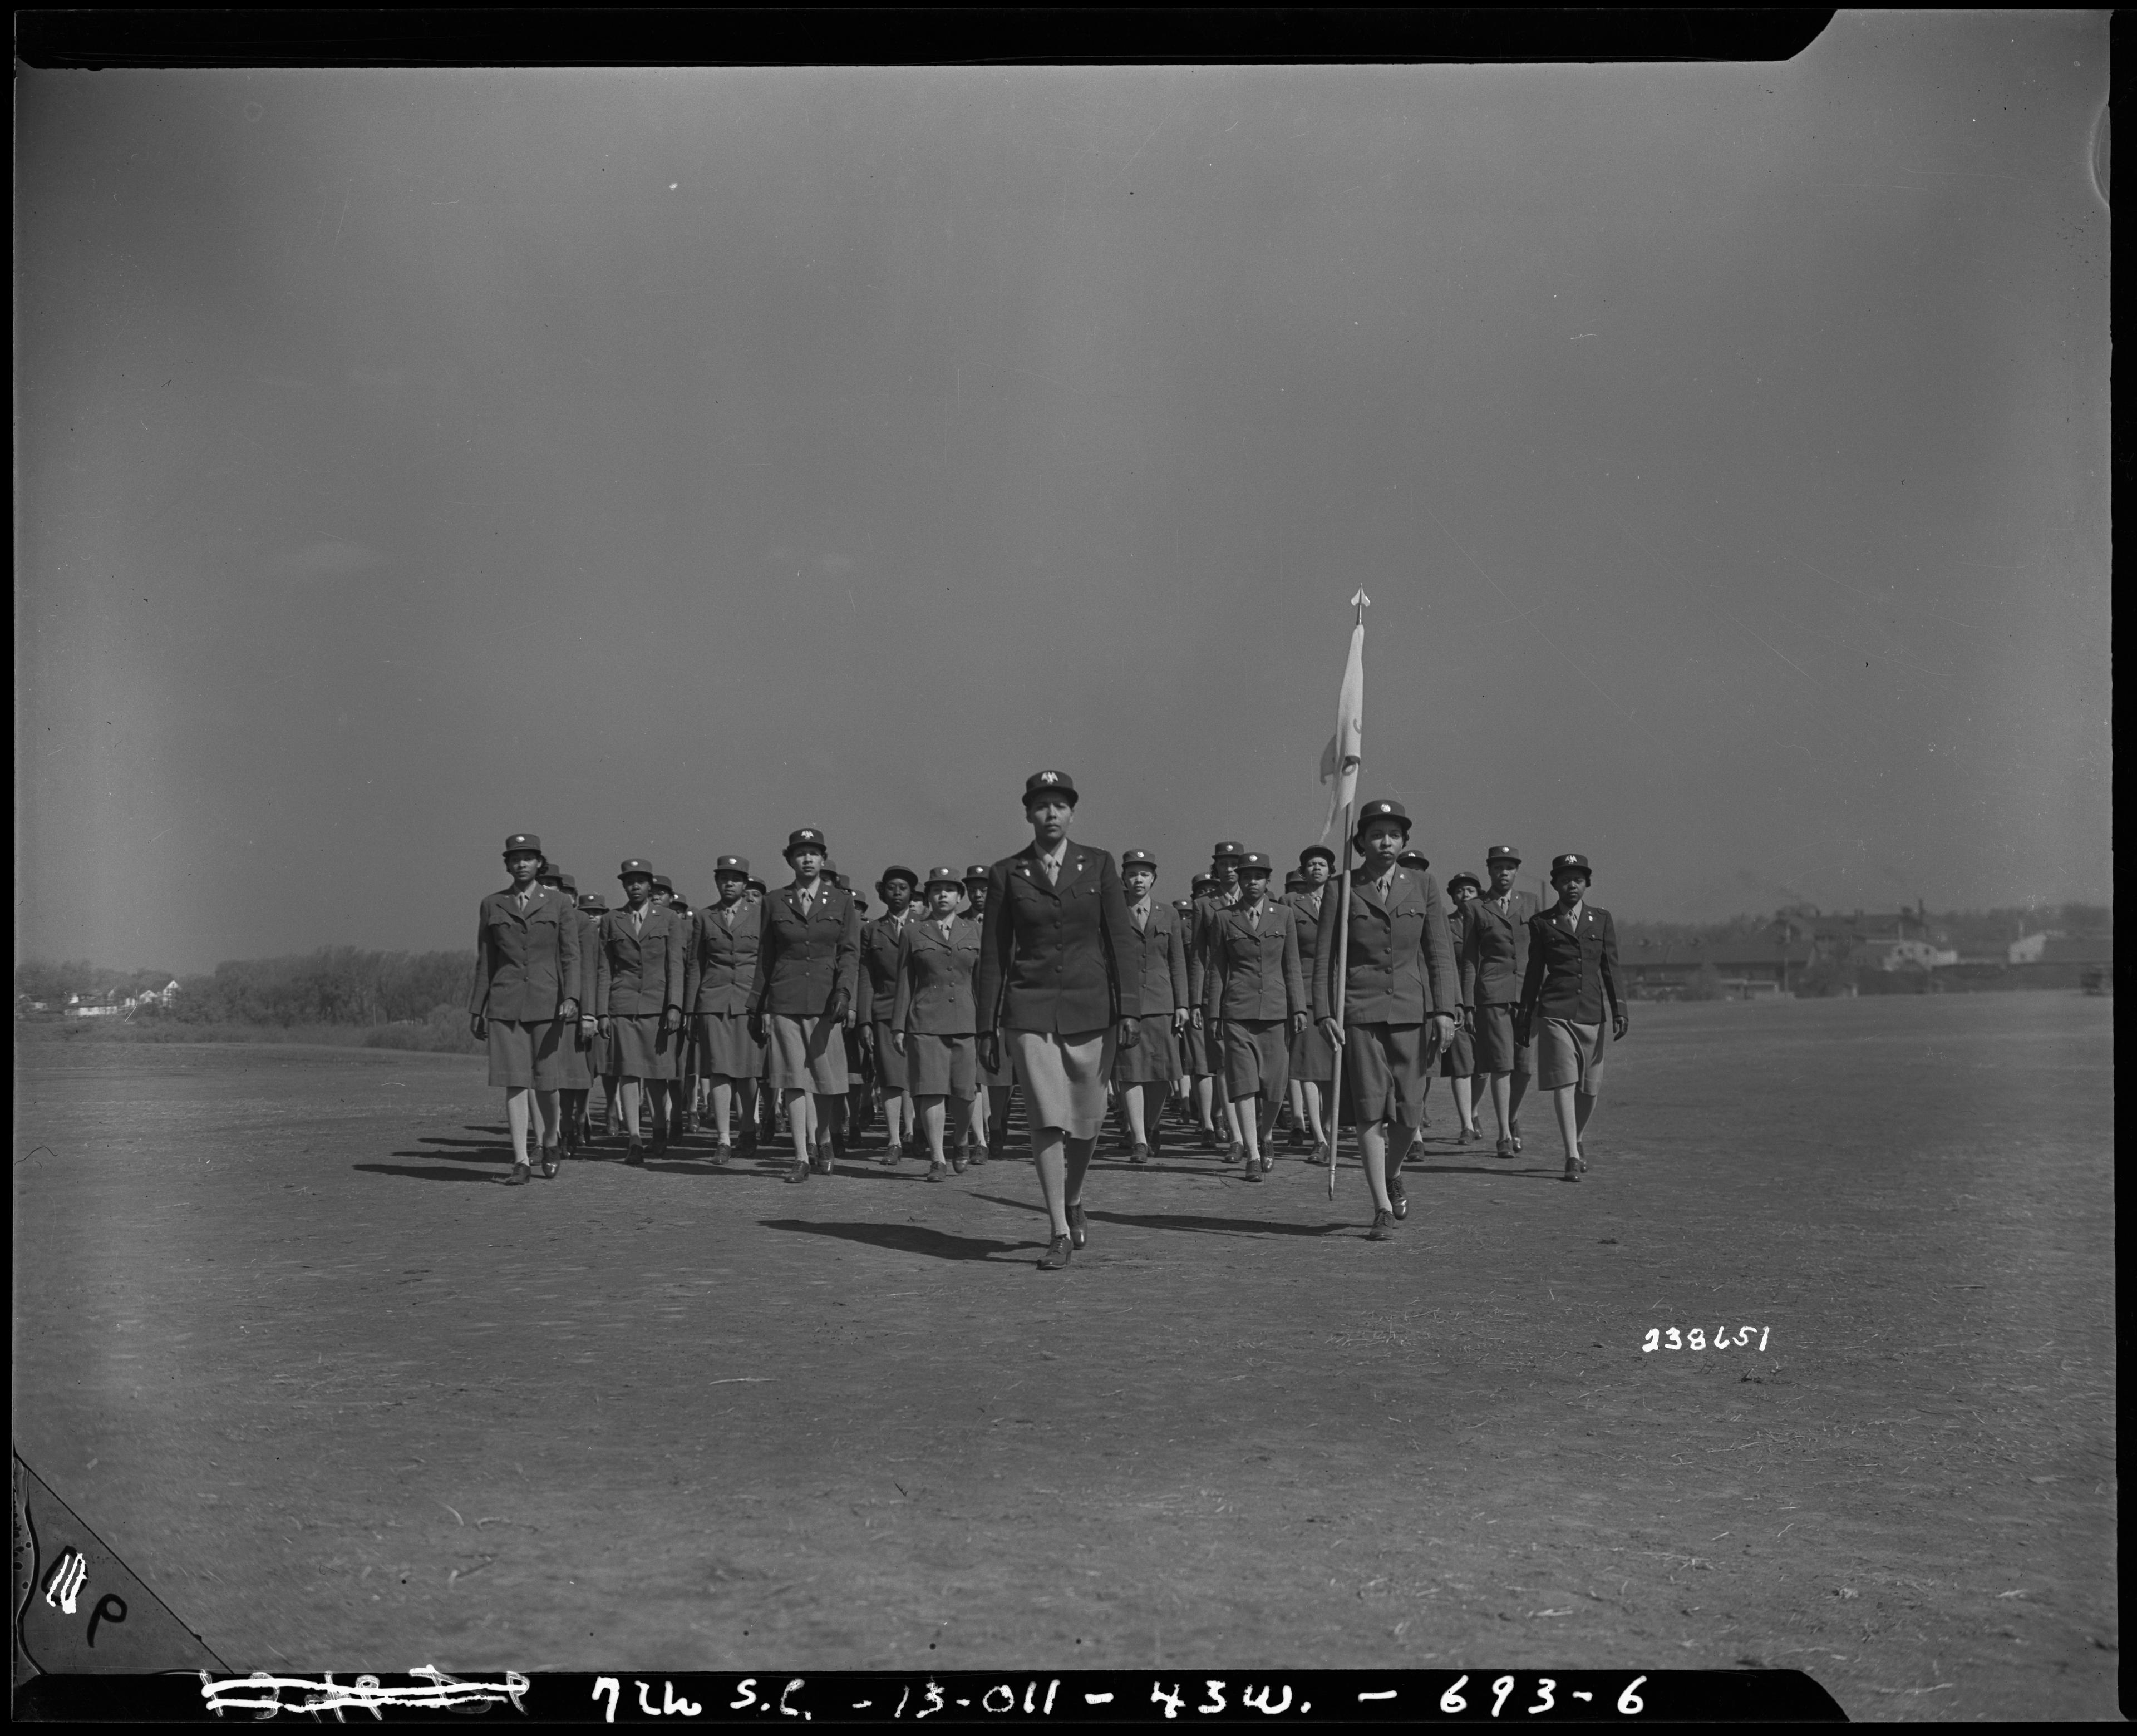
877 975
934 990
527 962
720 960
1495 950
1053 958
590 950
1572 969
1308 907
802 960
1253 972
641 970
1398 964
1157 959
1206 909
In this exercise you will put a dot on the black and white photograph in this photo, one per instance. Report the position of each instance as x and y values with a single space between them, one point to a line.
1235 883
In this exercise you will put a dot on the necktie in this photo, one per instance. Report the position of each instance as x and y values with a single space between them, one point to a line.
1053 870
1254 918
808 898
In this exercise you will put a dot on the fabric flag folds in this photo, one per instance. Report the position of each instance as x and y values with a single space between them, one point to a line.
1340 759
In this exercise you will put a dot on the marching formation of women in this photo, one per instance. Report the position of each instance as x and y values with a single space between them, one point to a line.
1058 974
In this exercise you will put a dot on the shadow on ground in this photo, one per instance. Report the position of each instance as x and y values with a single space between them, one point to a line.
903 1238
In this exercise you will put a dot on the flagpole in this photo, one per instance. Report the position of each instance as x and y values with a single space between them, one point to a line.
1336 1000
1358 602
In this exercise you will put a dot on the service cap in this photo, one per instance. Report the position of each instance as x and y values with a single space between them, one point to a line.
1183 905
1206 883
1464 878
662 883
977 871
808 836
1414 860
1255 862
1321 850
1225 847
1137 858
739 865
1380 810
635 867
1502 852
942 877
566 883
1049 783
520 842
592 901
1571 862
758 886
897 870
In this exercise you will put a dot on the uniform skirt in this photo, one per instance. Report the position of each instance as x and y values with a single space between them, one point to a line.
1497 1051
939 1064
725 1048
577 1053
1387 1067
1065 1077
1567 1053
891 1067
1004 1076
1257 1059
1197 1045
808 1053
640 1049
1154 1059
527 1053
1458 1059
1312 1055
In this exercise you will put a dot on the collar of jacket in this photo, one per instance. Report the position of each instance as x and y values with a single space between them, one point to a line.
1072 863
1370 892
826 892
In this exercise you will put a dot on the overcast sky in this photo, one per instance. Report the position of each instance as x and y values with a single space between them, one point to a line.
661 461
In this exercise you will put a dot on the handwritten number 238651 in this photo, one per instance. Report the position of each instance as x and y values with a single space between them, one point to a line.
1668 1338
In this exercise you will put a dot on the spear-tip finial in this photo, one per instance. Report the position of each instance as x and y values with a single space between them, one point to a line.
1362 602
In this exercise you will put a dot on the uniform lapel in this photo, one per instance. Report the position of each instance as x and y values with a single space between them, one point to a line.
1028 867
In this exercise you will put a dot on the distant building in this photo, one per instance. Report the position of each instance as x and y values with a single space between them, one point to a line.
1901 955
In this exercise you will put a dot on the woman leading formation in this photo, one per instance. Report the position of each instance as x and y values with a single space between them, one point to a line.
1399 997
1571 982
1050 986
526 995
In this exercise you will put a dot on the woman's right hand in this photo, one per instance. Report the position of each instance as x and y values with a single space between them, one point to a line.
601 1025
897 1041
480 1027
1333 1031
989 1049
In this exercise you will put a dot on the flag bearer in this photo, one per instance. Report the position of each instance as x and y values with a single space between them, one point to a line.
1399 994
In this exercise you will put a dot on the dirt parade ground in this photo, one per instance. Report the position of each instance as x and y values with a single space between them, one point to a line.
344 1400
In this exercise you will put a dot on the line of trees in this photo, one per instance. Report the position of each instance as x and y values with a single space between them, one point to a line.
340 985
